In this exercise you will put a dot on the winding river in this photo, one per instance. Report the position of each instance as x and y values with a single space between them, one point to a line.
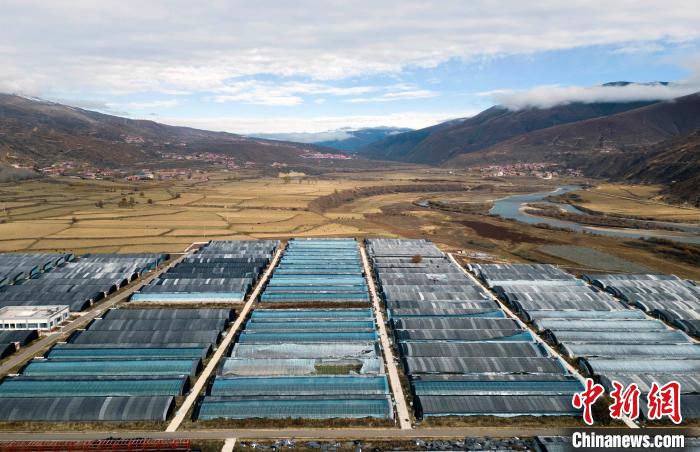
512 207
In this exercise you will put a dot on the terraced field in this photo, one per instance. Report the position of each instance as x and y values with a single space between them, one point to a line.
64 214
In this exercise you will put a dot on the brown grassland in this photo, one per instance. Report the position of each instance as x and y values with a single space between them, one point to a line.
448 207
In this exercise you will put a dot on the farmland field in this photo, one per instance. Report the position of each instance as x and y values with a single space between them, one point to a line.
115 216
635 201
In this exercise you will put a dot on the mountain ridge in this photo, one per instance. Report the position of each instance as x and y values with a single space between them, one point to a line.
440 143
42 132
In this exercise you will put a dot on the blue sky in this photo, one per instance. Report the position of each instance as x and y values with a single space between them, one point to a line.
309 66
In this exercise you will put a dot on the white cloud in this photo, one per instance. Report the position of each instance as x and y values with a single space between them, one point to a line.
639 48
307 137
182 46
291 93
280 94
549 96
292 124
153 104
396 95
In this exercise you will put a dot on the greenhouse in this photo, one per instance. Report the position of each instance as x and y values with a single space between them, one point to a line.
481 365
496 405
168 314
158 325
112 367
607 338
281 408
118 365
260 315
77 351
220 271
668 297
318 271
247 337
459 350
461 385
79 282
299 386
87 409
28 386
306 363
475 349
307 350
463 335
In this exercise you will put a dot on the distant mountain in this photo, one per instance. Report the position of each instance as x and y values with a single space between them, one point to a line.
42 133
576 143
438 144
343 139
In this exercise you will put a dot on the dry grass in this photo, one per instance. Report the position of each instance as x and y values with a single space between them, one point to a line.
43 214
28 230
635 201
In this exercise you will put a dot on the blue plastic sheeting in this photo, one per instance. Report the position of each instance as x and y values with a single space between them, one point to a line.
409 313
617 337
115 367
600 325
319 277
245 367
463 335
495 405
310 313
251 338
335 271
286 297
307 350
126 352
189 297
312 326
221 408
87 409
323 385
624 351
318 286
533 387
640 365
76 386
316 289
321 267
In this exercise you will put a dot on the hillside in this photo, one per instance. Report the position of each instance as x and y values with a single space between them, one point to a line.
435 145
575 144
41 133
675 163
360 138
346 139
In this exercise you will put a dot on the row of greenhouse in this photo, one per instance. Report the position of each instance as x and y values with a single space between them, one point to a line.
302 362
38 291
310 349
75 282
608 340
128 365
460 352
133 363
221 271
16 267
668 297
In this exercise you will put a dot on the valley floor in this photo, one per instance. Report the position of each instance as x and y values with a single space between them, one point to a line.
447 207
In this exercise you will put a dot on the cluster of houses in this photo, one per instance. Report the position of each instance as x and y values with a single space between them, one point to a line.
209 157
323 155
82 170
541 170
